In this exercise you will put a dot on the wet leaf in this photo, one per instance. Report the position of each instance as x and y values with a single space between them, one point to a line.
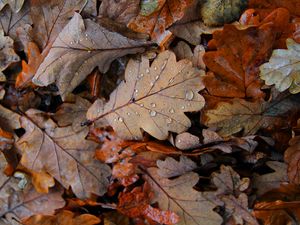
269 181
283 69
170 167
80 47
63 153
64 217
152 98
178 195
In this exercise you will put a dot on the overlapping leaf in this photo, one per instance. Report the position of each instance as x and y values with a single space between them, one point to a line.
152 98
63 153
79 48
15 5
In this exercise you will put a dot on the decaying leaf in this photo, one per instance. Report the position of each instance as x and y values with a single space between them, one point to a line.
7 53
27 202
235 63
15 5
292 157
63 153
152 98
9 119
283 69
178 195
157 22
267 182
80 47
170 167
219 12
120 11
249 117
64 217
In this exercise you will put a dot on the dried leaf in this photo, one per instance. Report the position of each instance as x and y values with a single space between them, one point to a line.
152 98
235 63
63 218
79 48
120 11
283 69
15 5
178 195
291 157
171 168
63 153
7 53
269 181
9 119
6 140
186 141
27 202
157 23
249 117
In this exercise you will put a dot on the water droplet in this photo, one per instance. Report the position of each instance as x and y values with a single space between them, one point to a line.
71 42
142 105
120 119
151 84
155 68
152 113
128 113
136 90
115 119
141 75
153 105
136 113
169 120
171 80
86 35
76 74
189 95
147 71
172 110
89 51
164 65
183 107
179 141
157 77
189 104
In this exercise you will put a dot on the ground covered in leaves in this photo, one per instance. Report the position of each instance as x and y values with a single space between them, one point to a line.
148 112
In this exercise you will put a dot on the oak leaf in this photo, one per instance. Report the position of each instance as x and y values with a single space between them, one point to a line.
9 119
235 62
283 68
64 217
63 153
178 195
248 117
80 47
269 181
27 202
157 22
152 98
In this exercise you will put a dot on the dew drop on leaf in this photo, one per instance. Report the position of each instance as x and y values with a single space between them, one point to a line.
153 113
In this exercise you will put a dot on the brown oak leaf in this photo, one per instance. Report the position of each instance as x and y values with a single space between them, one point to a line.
152 98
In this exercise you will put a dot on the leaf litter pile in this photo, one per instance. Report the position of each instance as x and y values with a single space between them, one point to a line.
148 112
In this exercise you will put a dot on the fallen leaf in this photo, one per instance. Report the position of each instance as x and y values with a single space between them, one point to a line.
156 23
170 167
152 98
69 160
79 48
269 181
186 141
120 11
64 217
7 53
216 12
9 119
235 62
27 202
283 68
178 195
15 5
248 117
6 140
291 157
137 204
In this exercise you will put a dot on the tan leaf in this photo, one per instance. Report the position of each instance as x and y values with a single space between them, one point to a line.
9 119
24 203
79 48
152 98
64 217
63 153
249 117
283 69
171 168
15 5
178 196
7 53
269 181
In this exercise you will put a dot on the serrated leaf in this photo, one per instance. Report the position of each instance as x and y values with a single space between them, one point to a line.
152 98
80 47
63 153
283 68
248 117
178 195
